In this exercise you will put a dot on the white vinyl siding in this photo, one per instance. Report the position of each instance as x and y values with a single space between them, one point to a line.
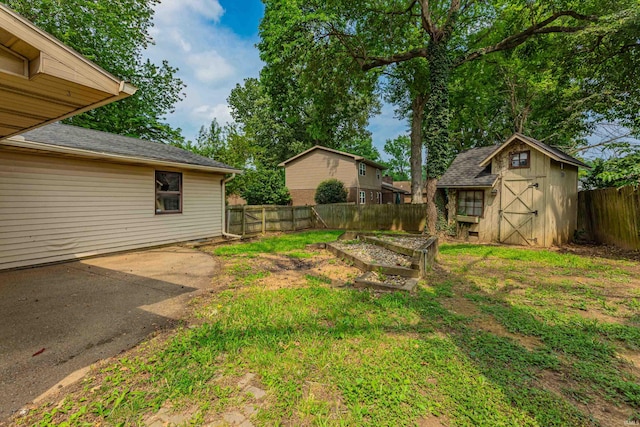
55 209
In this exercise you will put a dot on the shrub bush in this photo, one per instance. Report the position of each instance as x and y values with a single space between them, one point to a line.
331 191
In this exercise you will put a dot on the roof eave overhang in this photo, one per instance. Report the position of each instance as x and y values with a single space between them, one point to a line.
116 158
465 186
513 137
128 90
44 72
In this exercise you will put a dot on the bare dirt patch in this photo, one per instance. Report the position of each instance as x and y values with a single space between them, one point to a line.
486 322
605 413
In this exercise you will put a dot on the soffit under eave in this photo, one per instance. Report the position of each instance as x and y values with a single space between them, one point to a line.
43 81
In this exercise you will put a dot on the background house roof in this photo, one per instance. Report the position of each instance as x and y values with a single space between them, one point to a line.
44 81
89 140
466 170
391 187
331 150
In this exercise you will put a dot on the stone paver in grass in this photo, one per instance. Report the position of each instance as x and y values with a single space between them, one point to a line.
236 417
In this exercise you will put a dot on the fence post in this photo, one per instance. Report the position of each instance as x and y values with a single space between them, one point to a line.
293 218
264 221
244 219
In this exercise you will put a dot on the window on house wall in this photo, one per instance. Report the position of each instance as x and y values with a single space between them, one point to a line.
371 193
363 198
471 203
363 169
168 192
519 159
378 174
379 197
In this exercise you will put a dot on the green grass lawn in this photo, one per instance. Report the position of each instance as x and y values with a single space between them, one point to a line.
496 336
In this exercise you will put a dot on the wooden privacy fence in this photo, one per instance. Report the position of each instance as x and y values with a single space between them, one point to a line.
250 220
372 217
611 216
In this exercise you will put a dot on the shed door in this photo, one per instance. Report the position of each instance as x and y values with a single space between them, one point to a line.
521 213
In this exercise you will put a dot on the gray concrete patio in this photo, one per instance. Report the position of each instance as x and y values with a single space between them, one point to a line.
56 320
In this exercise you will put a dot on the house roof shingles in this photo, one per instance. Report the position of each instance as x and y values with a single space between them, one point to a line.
465 171
74 137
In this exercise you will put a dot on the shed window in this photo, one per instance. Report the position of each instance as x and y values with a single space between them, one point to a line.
363 198
168 192
471 203
519 160
362 169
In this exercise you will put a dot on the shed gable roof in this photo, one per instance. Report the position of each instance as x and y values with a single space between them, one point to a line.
103 144
44 81
331 150
467 170
550 151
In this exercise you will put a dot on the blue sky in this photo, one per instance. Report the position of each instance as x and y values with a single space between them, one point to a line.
212 42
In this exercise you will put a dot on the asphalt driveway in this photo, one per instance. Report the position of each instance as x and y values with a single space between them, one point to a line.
56 320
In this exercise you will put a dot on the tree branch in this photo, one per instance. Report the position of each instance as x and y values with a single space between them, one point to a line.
515 40
369 63
397 12
427 23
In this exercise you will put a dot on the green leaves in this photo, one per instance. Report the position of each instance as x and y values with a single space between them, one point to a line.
113 35
330 191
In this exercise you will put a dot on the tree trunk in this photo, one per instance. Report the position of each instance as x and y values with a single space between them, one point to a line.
437 124
432 210
417 111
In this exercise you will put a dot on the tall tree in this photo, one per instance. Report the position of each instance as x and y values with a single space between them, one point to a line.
399 151
114 35
448 34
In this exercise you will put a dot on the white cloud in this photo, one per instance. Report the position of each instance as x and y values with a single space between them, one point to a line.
220 112
210 66
169 10
211 59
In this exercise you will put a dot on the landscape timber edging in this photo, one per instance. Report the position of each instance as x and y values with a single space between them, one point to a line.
365 266
365 282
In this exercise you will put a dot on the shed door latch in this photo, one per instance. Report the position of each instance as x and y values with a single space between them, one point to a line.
534 185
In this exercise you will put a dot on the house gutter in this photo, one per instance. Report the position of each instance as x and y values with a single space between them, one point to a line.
223 183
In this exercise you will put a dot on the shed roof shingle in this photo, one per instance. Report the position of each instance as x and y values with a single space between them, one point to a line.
465 171
107 143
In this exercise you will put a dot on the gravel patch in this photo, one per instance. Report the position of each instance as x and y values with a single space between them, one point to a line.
405 241
388 279
374 254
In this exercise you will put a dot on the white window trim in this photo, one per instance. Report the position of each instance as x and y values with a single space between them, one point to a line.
363 197
362 169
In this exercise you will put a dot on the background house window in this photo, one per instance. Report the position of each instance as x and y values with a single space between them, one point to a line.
168 192
379 197
363 198
363 169
471 203
378 174
519 160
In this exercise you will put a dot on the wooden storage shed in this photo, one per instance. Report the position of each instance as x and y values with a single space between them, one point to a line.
70 192
522 192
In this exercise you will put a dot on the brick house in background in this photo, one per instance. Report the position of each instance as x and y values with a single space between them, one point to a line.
361 177
392 193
